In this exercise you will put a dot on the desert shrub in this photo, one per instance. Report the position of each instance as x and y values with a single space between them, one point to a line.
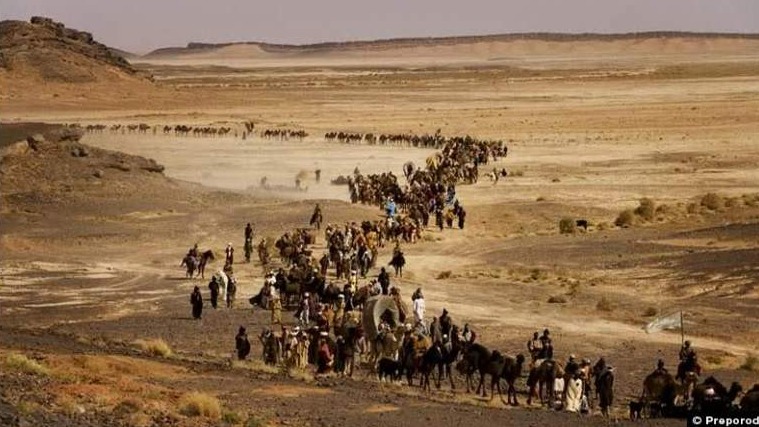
750 199
714 360
712 201
232 418
750 364
20 363
692 208
200 405
518 172
254 421
154 347
444 275
555 180
733 202
603 226
646 209
540 199
567 225
340 180
604 305
557 299
536 274
625 218
650 312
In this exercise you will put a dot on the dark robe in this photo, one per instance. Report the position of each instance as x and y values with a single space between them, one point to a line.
196 299
214 287
243 346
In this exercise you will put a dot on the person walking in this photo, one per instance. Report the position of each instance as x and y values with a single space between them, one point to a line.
196 299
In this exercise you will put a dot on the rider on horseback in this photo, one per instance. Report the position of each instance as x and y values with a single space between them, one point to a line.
688 362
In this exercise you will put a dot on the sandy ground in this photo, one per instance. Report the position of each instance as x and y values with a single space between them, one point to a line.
583 143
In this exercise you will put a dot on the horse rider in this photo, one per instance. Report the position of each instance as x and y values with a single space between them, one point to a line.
688 361
194 251
533 346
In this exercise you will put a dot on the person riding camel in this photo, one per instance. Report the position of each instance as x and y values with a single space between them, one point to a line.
546 346
660 369
446 323
468 334
534 346
418 308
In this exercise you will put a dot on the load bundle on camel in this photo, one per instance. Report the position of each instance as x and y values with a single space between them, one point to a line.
379 309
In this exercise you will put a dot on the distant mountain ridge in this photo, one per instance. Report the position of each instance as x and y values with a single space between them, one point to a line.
411 42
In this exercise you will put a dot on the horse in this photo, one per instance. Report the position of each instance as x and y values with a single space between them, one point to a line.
191 263
398 262
205 257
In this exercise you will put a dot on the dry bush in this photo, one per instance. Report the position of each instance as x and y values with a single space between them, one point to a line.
154 347
540 199
646 209
603 226
733 202
200 405
254 421
231 418
692 208
625 218
20 363
714 360
712 201
557 299
750 199
750 364
537 274
567 226
604 305
650 312
518 172
444 275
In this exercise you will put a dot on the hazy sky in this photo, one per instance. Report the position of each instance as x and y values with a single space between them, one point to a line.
143 25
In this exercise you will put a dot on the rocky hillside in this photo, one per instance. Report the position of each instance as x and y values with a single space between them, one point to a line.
45 50
53 169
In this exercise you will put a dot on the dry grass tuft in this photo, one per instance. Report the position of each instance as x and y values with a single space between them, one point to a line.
604 305
155 347
712 201
198 404
646 209
567 226
650 312
626 218
444 275
557 299
750 364
20 363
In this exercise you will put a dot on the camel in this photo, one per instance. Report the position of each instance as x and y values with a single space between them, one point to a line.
512 369
543 376
712 397
660 392
605 389
475 358
750 401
